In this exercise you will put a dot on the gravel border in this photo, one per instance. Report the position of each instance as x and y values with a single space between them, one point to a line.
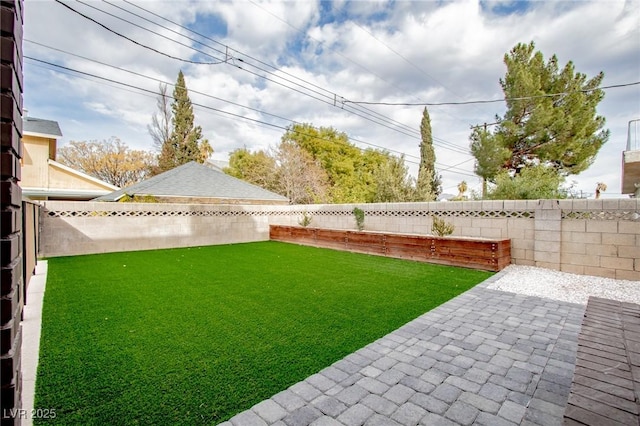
573 288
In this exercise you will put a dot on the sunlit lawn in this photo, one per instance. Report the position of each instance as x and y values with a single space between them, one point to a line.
194 336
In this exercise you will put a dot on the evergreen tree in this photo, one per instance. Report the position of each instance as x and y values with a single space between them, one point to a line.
550 121
185 143
393 182
428 185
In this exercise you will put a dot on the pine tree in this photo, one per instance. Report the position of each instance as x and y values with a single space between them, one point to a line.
550 120
428 183
185 143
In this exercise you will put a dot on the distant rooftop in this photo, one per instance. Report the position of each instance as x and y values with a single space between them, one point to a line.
196 180
40 127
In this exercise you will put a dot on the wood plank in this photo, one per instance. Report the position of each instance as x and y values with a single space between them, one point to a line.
611 371
589 418
491 255
603 409
604 387
613 400
604 361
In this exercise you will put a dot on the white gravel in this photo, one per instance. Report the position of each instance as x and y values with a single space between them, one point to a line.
563 286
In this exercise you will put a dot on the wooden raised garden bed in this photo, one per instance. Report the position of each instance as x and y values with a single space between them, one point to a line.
477 253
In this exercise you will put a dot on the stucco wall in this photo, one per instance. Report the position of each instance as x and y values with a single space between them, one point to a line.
594 237
35 171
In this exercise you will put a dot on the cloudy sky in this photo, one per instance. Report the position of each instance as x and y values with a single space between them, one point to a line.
254 67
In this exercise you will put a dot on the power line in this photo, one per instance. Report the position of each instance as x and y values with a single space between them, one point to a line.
151 31
404 58
331 98
490 101
135 42
158 80
222 112
364 68
198 92
367 116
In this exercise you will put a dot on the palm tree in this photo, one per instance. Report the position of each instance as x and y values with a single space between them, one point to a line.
600 187
462 188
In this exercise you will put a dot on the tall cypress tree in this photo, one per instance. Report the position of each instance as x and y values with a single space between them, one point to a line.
428 183
185 143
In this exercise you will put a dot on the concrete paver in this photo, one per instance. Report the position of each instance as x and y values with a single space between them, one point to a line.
486 357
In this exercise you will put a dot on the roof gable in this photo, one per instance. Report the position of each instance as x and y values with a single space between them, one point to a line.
198 181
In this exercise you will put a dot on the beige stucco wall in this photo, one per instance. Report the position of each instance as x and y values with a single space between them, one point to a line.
593 237
40 171
35 162
59 178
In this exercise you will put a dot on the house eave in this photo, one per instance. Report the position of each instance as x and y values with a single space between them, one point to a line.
63 193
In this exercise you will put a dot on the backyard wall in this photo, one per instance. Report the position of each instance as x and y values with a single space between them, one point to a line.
593 237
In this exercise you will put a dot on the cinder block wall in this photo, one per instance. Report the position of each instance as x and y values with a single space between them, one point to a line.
601 237
594 237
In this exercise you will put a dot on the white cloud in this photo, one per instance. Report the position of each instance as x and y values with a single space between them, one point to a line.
449 51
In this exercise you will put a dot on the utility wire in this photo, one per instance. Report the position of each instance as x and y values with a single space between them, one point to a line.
153 32
159 80
331 98
490 101
403 57
358 64
264 123
135 42
374 120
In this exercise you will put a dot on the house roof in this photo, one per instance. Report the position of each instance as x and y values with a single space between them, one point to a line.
197 181
40 127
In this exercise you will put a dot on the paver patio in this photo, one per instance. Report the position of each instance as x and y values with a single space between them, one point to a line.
486 357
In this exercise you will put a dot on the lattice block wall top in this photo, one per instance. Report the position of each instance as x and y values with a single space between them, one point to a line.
147 213
622 209
415 213
602 215
232 213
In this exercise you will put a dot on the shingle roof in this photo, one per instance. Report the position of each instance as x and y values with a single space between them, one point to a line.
198 181
41 127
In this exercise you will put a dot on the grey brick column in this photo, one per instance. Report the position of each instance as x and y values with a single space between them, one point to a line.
11 20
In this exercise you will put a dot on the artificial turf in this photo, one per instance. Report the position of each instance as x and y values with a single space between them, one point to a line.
196 335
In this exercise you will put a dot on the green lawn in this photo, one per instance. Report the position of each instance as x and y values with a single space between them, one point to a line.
194 336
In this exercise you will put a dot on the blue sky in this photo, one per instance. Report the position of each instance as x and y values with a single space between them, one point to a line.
380 51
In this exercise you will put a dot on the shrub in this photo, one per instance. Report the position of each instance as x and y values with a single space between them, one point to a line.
359 215
138 199
441 228
305 220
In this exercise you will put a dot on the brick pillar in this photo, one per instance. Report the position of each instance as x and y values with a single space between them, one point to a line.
10 209
548 234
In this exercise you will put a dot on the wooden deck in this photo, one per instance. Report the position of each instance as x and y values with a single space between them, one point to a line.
606 382
487 254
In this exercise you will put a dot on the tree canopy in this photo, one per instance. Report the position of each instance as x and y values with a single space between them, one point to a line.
551 119
185 142
109 160
321 165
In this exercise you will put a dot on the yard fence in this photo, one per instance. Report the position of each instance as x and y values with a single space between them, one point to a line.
30 242
593 237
